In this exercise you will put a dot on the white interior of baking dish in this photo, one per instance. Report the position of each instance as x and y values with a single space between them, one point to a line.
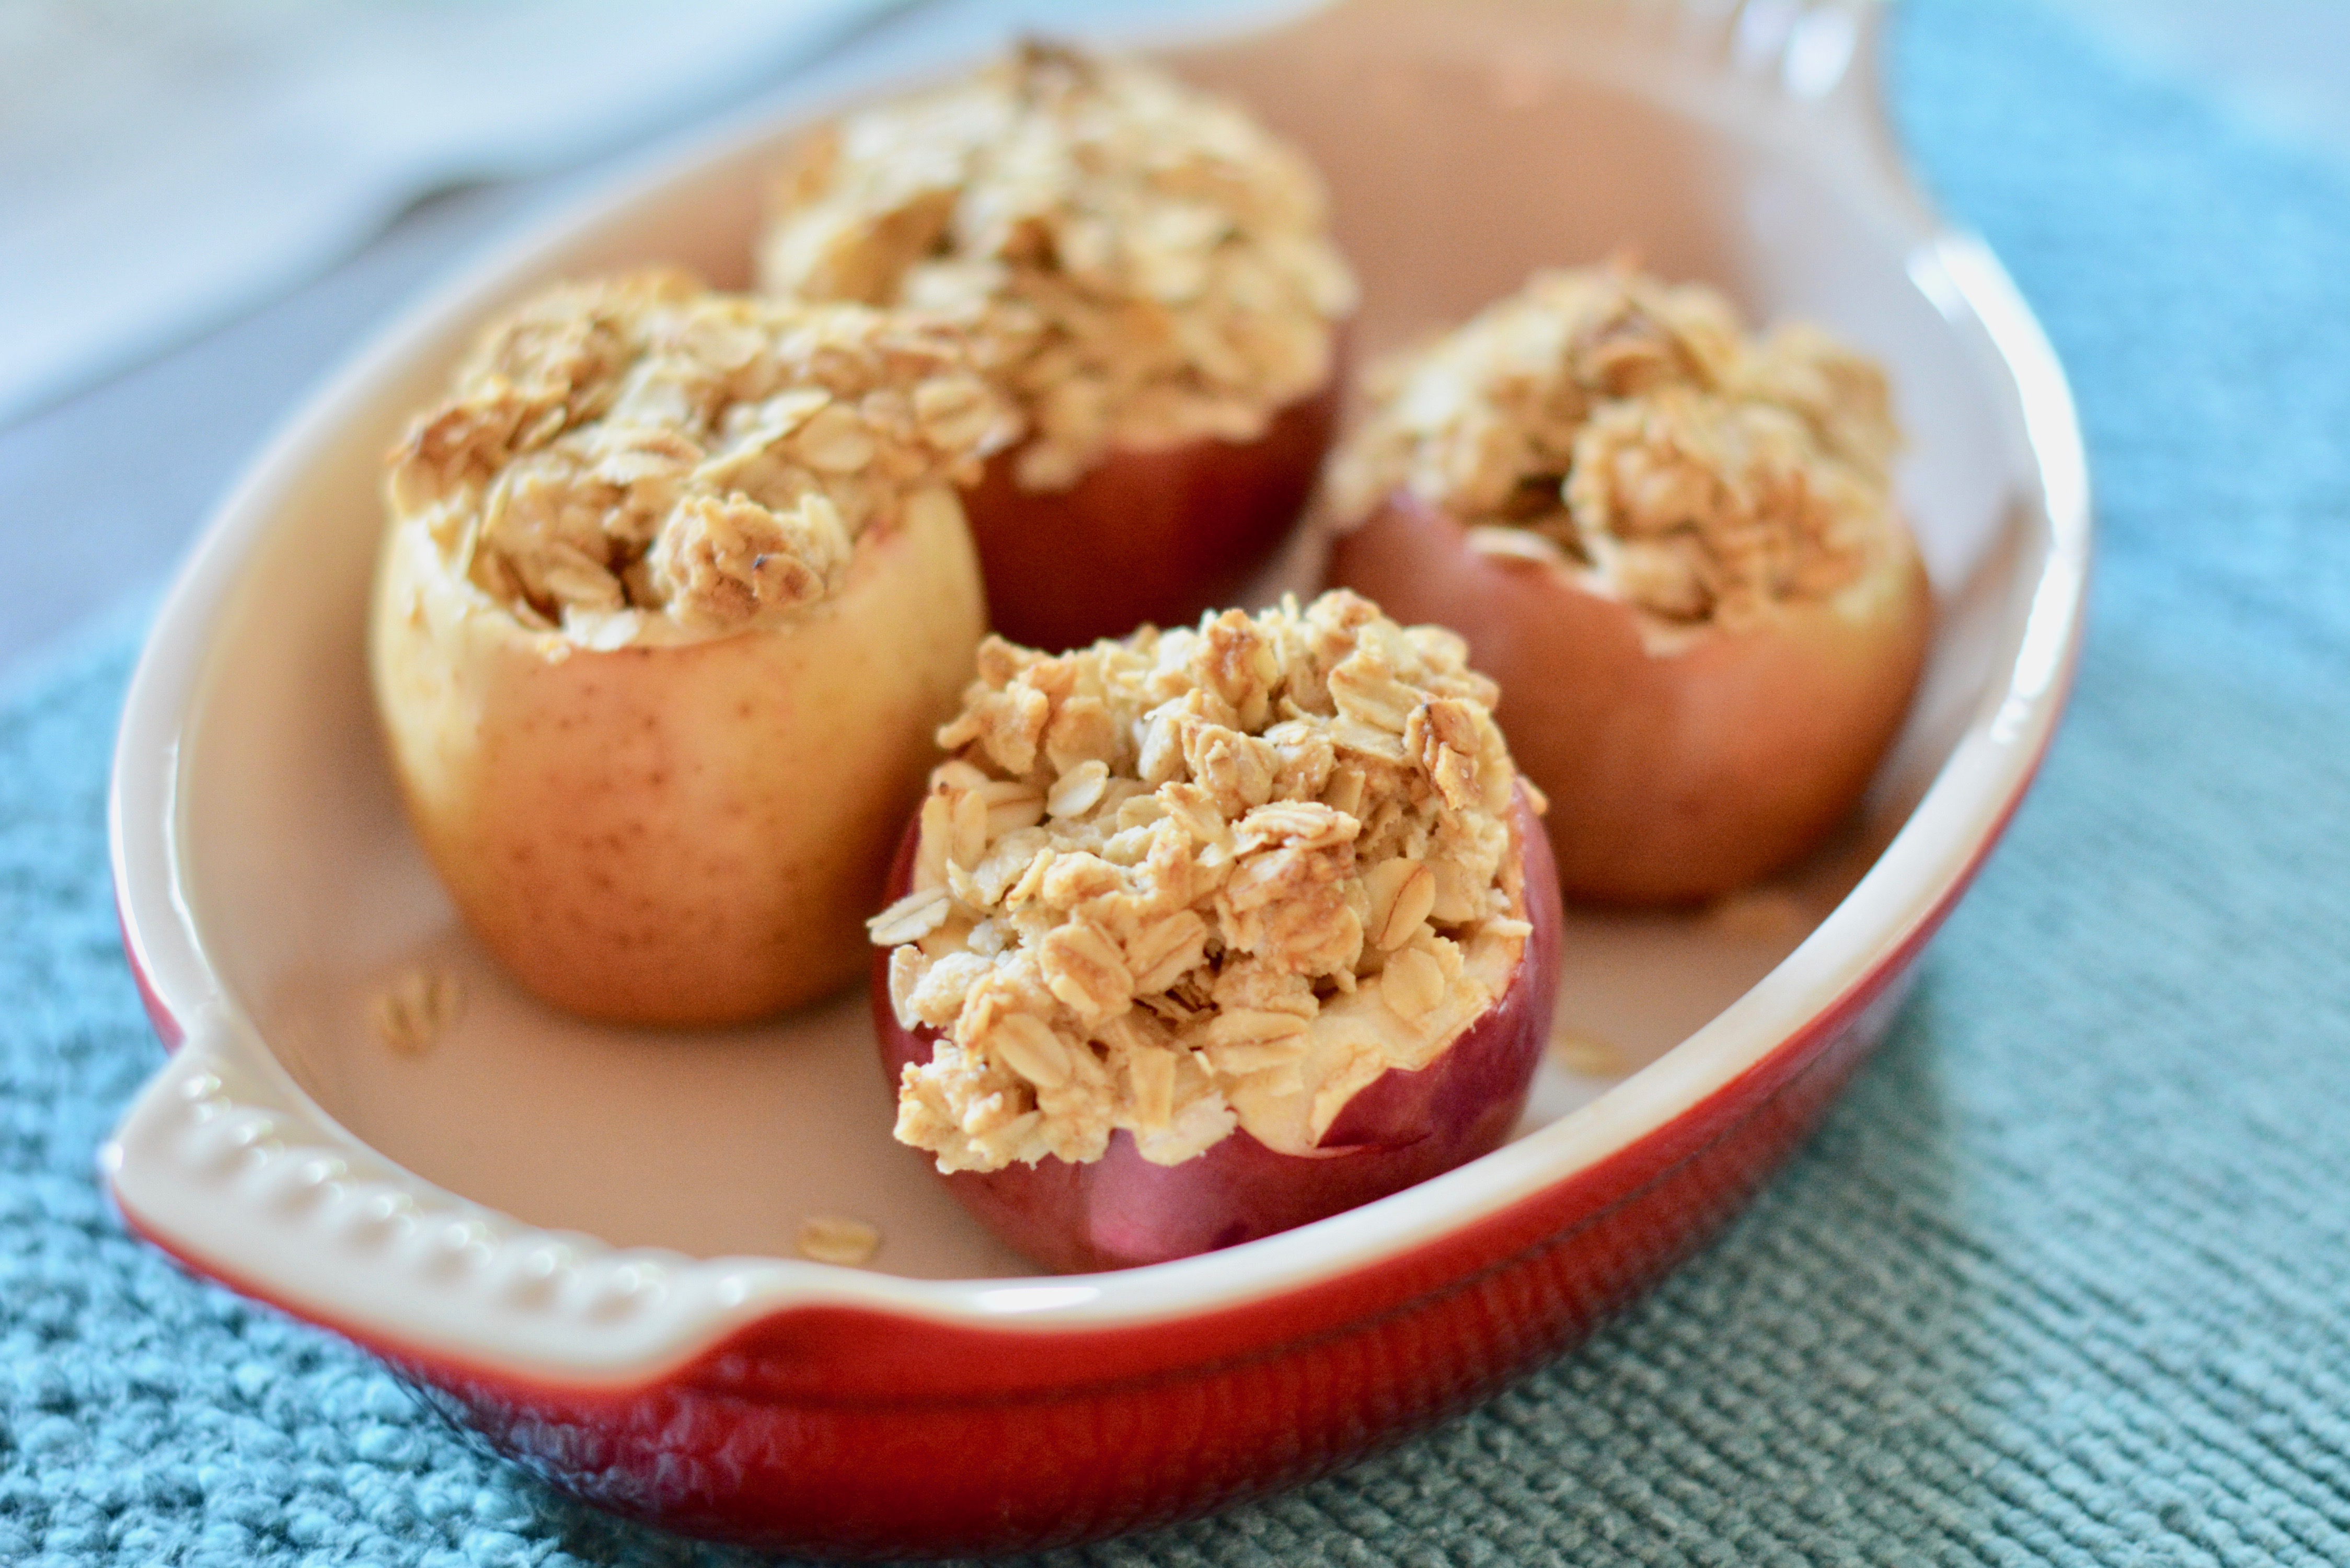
272 890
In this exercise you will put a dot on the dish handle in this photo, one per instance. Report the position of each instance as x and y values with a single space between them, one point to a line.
224 1162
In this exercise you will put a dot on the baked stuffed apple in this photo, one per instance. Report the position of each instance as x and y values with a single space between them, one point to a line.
676 589
1205 934
1152 274
1676 547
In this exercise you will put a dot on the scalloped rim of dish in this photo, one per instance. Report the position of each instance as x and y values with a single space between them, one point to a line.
224 1161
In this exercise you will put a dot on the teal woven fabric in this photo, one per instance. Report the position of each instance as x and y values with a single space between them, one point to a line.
2065 1279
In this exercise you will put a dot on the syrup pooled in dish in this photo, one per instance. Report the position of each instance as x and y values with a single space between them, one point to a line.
674 586
1206 887
1150 276
1675 544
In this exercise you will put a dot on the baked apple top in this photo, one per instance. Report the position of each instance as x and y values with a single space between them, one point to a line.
1635 433
1150 265
641 460
1201 879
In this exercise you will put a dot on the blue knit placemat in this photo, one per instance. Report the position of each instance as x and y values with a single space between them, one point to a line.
2066 1277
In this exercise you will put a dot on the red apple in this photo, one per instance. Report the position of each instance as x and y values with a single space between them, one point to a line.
1403 1128
1155 537
1676 771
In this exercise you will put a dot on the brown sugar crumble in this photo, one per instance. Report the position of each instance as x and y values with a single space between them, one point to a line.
1201 879
1145 263
638 457
1634 432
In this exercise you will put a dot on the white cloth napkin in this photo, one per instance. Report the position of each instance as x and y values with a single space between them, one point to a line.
163 165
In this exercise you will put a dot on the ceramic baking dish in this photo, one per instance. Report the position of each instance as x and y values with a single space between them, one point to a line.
580 1240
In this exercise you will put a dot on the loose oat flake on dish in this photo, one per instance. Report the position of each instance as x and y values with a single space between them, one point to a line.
1206 879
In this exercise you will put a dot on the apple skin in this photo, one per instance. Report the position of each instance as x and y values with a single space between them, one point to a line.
1121 1211
1673 776
1155 537
679 835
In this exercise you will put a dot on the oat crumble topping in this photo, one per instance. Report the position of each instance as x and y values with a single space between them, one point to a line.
1201 880
639 455
1148 264
1633 431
